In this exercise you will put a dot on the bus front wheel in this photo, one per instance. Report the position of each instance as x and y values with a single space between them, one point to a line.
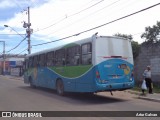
60 87
31 83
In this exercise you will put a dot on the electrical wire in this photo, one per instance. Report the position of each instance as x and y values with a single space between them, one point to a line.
81 19
21 47
17 3
13 34
137 33
69 16
100 25
22 51
17 45
86 8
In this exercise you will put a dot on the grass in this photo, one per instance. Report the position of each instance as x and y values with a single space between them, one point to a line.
156 89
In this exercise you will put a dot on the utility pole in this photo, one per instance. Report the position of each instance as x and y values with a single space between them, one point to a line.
28 31
4 63
4 57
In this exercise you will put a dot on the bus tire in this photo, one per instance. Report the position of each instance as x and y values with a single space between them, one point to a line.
60 87
31 83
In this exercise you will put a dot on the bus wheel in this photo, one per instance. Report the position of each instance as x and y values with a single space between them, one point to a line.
60 87
31 83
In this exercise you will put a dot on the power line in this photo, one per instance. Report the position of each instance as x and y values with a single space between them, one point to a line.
100 25
17 3
22 51
13 34
86 8
21 47
17 45
69 16
137 33
120 18
84 17
55 40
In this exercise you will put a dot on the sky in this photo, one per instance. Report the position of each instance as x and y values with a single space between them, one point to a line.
55 19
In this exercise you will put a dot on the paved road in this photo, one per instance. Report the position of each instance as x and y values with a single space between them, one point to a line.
17 96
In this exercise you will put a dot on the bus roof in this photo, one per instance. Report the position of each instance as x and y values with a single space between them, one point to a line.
79 42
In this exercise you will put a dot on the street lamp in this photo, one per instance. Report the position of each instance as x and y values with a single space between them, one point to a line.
13 30
28 30
4 68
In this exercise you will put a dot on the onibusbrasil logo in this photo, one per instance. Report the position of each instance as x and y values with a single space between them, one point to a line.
21 114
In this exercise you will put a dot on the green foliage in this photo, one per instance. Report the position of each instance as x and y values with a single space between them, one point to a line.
152 34
135 49
124 36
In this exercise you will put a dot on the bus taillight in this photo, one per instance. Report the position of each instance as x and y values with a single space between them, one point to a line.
132 75
97 74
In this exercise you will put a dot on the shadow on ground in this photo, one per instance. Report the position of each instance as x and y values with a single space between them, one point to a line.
74 98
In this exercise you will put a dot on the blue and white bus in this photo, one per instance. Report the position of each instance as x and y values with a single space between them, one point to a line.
95 64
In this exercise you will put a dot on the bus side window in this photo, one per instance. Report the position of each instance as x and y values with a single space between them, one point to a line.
30 62
50 58
42 60
60 57
87 54
73 55
25 64
35 61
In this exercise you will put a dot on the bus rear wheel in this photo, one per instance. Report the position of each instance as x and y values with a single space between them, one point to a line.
60 87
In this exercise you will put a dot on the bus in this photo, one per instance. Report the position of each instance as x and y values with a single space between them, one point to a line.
94 64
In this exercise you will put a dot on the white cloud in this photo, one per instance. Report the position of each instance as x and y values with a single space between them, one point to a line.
55 10
6 3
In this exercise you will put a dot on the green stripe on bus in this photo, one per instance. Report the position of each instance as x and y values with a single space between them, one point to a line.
71 71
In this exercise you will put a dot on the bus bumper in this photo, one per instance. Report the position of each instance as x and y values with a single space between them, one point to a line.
115 86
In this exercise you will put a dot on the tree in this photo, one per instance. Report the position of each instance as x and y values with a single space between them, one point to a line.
124 36
135 49
152 34
135 45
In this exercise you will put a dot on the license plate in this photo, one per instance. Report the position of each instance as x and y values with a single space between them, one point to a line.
123 66
115 76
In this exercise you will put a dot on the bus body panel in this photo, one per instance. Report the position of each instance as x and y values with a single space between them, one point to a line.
111 68
114 60
112 77
84 83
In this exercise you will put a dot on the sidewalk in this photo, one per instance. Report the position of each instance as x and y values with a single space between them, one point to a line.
12 77
151 97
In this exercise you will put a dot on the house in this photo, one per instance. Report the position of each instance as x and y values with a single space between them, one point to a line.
13 65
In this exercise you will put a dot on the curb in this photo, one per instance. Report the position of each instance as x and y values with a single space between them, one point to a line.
15 78
150 99
143 97
12 77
